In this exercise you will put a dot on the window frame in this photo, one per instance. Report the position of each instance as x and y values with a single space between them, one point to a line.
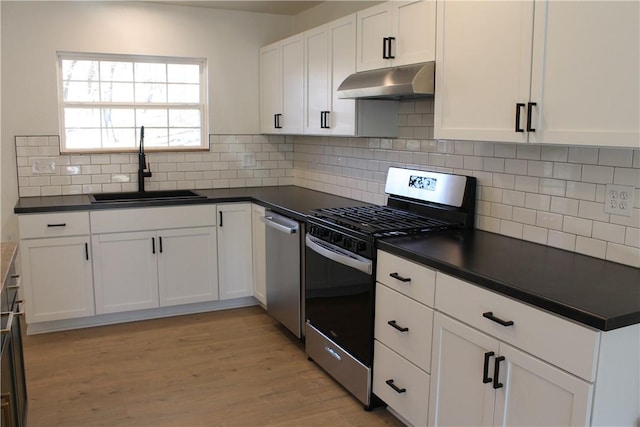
202 105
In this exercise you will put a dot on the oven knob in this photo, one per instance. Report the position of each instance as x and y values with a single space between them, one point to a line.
361 246
348 243
324 233
336 237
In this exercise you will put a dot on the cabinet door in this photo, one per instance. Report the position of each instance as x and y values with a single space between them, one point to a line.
187 265
292 66
316 87
270 87
259 255
374 25
458 396
342 48
125 271
57 278
235 264
414 26
535 393
586 58
484 64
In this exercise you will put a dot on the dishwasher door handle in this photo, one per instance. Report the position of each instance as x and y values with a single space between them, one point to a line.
339 255
268 220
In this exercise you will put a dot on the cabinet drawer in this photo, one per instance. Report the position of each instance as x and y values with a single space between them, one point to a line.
412 403
413 280
119 220
53 224
414 343
570 346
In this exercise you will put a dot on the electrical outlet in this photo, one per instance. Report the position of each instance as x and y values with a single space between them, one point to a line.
619 199
43 166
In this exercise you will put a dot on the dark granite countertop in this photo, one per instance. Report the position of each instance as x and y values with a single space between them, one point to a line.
595 292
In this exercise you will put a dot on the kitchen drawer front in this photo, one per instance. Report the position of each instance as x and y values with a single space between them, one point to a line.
53 224
413 280
414 343
569 346
119 220
412 403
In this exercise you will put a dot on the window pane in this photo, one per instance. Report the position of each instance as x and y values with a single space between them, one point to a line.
118 138
73 69
152 118
183 73
156 137
82 117
148 72
184 118
116 71
151 92
81 91
184 137
82 138
118 117
116 92
184 93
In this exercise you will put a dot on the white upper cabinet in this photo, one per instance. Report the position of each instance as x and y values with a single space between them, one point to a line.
281 86
396 33
538 71
330 55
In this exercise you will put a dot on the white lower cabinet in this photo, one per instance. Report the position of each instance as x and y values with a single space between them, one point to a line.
259 241
56 266
235 250
141 261
478 380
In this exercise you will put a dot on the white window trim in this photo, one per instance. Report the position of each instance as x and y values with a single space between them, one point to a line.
203 105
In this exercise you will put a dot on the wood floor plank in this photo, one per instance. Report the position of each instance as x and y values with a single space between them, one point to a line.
226 368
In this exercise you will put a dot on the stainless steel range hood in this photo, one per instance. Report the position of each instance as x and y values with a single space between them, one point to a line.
409 81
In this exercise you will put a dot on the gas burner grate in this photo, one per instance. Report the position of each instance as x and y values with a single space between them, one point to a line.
380 220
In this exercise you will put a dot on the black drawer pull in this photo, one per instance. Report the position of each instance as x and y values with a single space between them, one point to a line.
485 371
489 315
395 325
62 224
86 251
153 245
519 105
497 384
395 387
160 239
400 278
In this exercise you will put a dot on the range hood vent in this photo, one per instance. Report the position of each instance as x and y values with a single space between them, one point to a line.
409 81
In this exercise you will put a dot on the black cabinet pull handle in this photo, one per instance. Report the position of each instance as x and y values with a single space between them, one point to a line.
489 315
530 106
519 105
62 224
496 372
485 370
400 278
395 325
384 48
324 123
160 241
276 121
395 387
86 251
153 245
390 55
220 213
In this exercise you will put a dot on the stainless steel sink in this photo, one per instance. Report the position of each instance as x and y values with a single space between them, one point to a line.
138 196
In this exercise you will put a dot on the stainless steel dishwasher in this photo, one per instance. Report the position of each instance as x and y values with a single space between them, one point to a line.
284 278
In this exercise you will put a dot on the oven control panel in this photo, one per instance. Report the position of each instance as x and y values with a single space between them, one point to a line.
342 240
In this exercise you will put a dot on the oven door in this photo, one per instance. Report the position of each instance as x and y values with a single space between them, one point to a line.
339 301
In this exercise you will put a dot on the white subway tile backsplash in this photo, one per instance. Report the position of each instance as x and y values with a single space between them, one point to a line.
535 234
564 206
554 153
528 152
541 202
592 210
561 240
623 254
581 190
524 215
615 157
578 226
585 155
549 220
567 171
597 174
591 247
609 232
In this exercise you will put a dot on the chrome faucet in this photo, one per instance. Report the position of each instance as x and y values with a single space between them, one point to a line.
142 163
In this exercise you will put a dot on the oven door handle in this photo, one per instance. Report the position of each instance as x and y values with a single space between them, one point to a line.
339 255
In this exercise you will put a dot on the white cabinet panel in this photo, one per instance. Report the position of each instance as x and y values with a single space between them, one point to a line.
235 264
187 266
259 254
57 278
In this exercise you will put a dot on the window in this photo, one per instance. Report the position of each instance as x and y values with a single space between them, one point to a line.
105 99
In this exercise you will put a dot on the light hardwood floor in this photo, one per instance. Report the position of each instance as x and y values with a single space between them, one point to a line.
225 368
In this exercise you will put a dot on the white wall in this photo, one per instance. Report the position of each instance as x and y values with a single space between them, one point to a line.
32 33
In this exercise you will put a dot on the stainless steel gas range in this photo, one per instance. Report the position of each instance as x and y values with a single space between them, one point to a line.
341 261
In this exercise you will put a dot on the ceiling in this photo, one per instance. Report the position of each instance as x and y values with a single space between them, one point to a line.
261 6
